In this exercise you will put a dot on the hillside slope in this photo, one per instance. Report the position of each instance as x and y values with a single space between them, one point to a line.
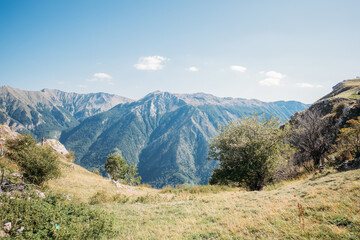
165 135
323 206
339 106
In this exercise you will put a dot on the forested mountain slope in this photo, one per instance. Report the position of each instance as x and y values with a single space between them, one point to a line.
166 135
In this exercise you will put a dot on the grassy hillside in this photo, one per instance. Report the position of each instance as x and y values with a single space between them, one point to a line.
79 182
347 89
318 206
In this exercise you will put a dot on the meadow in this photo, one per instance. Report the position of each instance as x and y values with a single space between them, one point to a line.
316 206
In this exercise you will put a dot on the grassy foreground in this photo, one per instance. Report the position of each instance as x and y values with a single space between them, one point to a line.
323 206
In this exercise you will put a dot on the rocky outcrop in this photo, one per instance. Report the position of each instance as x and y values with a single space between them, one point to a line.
55 144
349 165
7 133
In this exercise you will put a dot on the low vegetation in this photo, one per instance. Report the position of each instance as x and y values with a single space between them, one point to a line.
38 164
28 213
52 217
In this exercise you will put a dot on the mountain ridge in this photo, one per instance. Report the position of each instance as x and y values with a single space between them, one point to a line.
47 112
164 134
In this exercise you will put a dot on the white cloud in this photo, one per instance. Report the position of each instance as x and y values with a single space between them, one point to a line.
193 69
101 77
270 82
238 68
83 86
273 78
150 63
273 74
307 85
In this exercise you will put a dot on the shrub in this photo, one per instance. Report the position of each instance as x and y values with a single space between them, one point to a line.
349 138
52 218
249 152
104 197
38 164
96 171
70 156
338 109
100 197
120 198
312 137
118 169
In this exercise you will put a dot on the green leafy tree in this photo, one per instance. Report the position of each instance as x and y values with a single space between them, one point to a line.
38 163
249 151
132 177
116 166
118 169
349 138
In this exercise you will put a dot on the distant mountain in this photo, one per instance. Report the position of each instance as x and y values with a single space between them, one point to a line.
166 135
47 112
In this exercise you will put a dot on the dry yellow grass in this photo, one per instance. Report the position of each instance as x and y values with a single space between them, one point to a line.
331 210
79 182
82 184
352 86
330 203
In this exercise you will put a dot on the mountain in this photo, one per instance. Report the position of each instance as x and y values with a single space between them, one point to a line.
47 112
165 135
339 106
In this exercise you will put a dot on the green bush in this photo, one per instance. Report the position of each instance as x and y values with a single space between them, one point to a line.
100 197
37 163
120 198
103 197
249 150
119 170
96 171
70 156
52 218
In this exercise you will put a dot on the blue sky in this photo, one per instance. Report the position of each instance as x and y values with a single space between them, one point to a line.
268 50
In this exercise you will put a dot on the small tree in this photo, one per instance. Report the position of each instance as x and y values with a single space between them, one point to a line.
312 137
249 151
116 166
132 177
349 138
38 164
96 171
118 169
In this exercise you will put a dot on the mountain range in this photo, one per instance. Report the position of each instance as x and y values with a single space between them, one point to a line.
47 113
165 135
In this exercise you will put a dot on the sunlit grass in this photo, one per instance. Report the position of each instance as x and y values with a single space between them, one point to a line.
330 203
